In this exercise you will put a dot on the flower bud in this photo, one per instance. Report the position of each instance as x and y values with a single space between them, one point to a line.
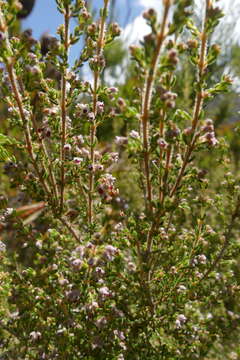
121 102
149 14
115 29
91 29
162 144
192 44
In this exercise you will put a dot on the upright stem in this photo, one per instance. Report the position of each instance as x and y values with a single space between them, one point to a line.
13 81
18 98
100 45
64 104
198 102
48 167
146 103
25 120
161 128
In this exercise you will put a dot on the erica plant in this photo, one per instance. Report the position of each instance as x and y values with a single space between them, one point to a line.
119 249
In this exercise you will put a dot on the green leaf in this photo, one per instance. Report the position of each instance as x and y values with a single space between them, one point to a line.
6 140
181 115
5 155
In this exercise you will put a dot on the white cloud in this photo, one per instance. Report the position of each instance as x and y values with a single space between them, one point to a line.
156 4
135 30
138 28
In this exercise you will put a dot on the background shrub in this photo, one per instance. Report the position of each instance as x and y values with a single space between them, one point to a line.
119 205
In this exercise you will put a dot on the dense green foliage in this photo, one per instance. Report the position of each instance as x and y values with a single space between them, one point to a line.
119 205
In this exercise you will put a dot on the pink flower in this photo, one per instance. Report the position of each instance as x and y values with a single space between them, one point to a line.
77 160
134 134
104 292
67 147
121 140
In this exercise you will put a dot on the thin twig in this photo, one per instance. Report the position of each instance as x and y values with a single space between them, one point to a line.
70 228
147 97
100 45
51 173
198 102
64 104
18 98
29 146
161 128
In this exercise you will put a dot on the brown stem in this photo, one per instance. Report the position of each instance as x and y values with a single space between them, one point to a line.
147 97
100 45
188 153
70 228
157 215
51 174
167 167
82 191
198 102
17 96
64 105
92 157
27 133
161 128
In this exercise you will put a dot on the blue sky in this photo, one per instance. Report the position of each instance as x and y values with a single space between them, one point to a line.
45 17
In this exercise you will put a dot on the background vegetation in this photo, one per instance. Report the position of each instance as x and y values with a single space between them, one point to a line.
119 204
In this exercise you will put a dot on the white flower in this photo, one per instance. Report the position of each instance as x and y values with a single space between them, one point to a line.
35 335
99 271
79 139
104 291
209 316
118 226
8 211
181 319
92 307
114 156
119 334
121 140
76 264
83 109
77 160
39 244
110 179
2 246
100 107
63 281
202 259
67 147
83 151
80 250
181 288
110 252
134 134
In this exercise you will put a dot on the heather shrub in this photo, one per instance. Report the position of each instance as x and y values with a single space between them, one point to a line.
119 213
